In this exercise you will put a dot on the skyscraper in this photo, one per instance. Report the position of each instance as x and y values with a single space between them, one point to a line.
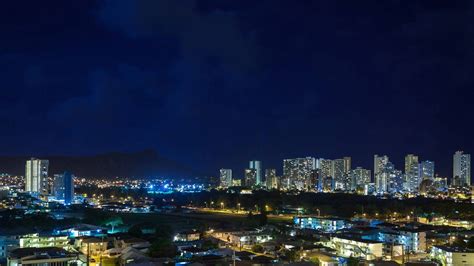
412 173
299 172
427 170
225 178
380 173
257 165
36 175
395 179
325 177
250 177
341 172
462 168
271 179
63 187
360 178
410 159
413 178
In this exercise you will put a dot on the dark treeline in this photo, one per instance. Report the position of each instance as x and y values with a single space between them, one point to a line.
334 204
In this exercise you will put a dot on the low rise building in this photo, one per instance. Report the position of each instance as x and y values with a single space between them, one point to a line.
191 235
413 240
319 223
243 239
7 244
49 256
452 256
42 241
92 246
357 247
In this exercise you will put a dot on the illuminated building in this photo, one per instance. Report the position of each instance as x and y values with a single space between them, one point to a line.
271 179
7 244
225 178
360 177
36 175
250 177
380 176
410 160
395 179
63 187
325 178
95 246
318 223
242 239
462 168
257 165
299 173
412 173
236 182
191 235
356 247
413 240
427 170
41 241
452 256
340 172
54 256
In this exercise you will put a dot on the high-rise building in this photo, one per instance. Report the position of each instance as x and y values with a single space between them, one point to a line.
380 173
341 172
360 178
427 170
250 177
410 160
412 173
271 179
257 165
226 178
395 179
325 174
299 173
36 175
413 178
462 168
63 187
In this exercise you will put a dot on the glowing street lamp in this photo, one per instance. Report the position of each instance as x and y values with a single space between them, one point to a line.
222 205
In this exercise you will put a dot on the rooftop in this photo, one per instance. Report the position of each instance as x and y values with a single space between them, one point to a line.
48 252
455 249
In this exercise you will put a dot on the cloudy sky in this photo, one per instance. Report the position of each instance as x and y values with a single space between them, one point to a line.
215 83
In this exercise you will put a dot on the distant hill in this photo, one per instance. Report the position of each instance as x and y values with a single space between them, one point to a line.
147 163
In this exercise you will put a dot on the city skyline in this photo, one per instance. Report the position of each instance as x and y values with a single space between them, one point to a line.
311 174
421 165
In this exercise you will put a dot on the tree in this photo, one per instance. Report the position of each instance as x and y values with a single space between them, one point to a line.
162 248
291 255
470 243
262 219
351 261
135 231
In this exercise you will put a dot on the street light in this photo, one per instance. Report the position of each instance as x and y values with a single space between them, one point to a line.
238 205
222 205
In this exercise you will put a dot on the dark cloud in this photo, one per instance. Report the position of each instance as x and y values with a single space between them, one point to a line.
210 37
215 83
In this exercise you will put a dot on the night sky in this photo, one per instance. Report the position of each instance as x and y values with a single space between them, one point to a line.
215 83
